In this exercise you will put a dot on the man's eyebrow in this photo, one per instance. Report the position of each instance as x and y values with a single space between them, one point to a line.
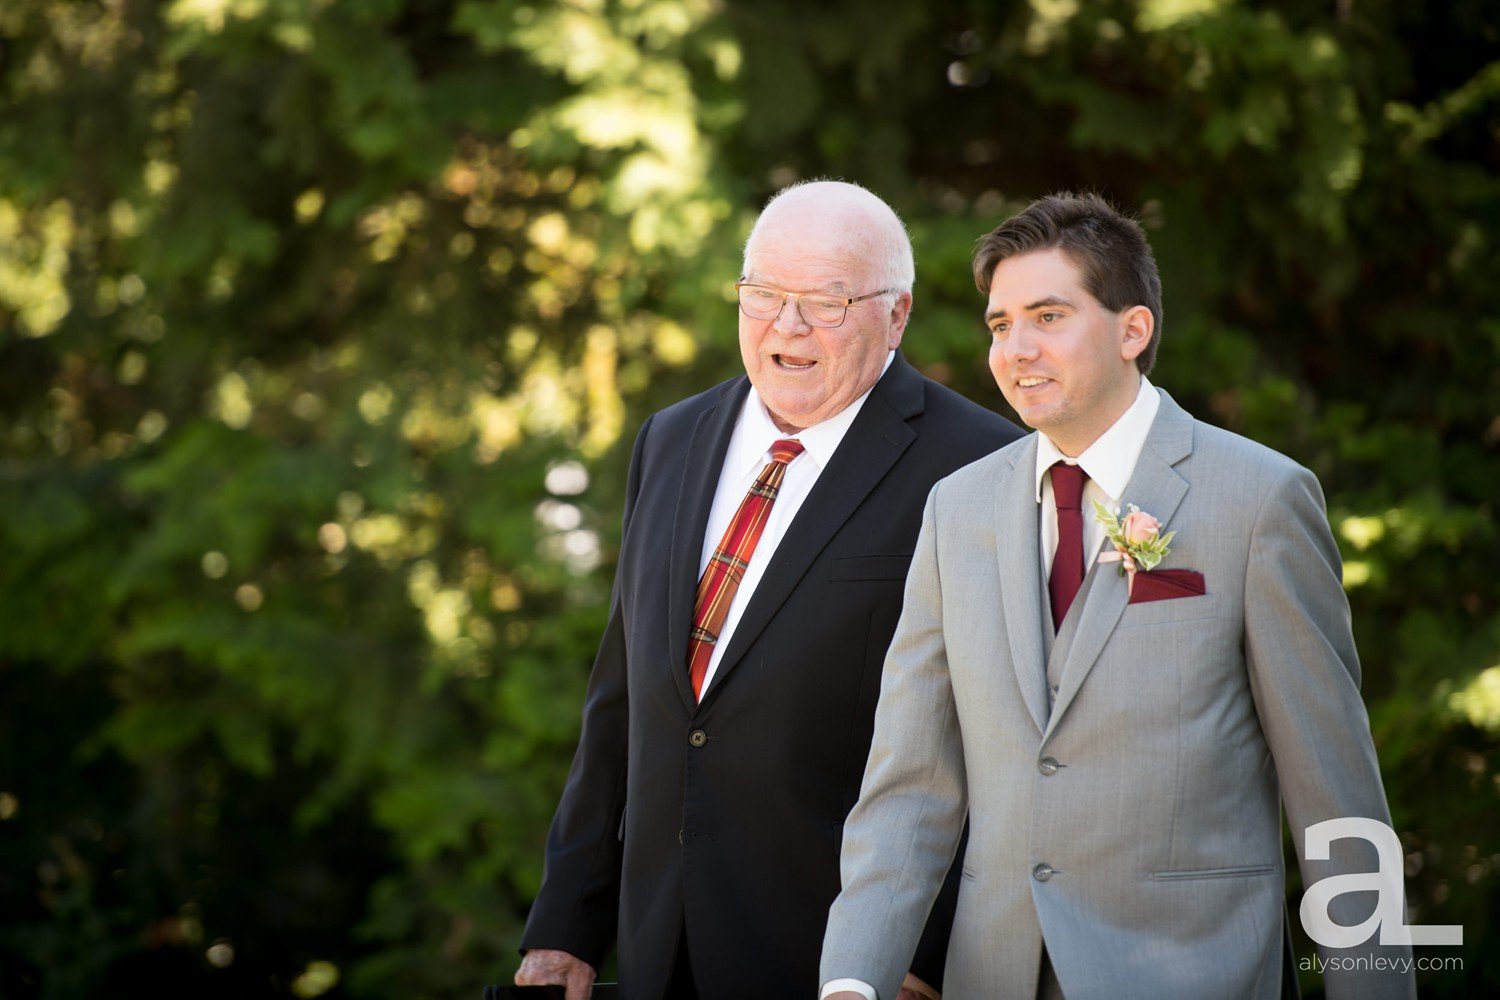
838 288
1051 300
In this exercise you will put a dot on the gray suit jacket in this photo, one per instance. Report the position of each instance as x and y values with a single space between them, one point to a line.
1133 823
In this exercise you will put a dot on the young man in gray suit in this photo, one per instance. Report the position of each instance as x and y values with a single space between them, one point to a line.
1122 723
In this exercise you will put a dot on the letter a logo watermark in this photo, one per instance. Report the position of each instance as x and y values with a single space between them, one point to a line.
1386 882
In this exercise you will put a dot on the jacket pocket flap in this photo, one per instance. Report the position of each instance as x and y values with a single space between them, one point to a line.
1241 871
869 568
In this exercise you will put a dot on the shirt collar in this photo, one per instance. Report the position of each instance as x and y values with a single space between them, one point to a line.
1110 460
755 432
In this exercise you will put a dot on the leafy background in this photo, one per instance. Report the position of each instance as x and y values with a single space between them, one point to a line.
325 326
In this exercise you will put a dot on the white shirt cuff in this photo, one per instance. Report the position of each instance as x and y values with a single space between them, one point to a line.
835 986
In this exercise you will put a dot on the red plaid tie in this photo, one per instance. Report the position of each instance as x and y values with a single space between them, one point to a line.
1066 577
726 567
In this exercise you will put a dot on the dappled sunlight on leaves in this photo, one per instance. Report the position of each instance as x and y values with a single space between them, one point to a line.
34 249
1479 701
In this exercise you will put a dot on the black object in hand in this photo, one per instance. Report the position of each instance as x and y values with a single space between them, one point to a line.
601 991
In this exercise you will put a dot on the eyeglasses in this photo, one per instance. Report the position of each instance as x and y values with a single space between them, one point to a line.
816 308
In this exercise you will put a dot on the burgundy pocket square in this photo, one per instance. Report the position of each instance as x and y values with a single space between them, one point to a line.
1165 584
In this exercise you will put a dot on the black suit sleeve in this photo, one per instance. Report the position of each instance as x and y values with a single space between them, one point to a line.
577 907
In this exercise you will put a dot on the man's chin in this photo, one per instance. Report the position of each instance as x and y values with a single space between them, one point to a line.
790 418
1028 415
1037 420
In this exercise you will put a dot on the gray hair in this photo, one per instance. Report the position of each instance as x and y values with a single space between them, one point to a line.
894 264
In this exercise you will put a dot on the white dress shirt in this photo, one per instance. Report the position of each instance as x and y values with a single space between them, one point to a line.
749 451
1109 462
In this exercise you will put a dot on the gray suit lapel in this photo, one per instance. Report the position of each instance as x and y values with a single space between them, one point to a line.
1020 579
1156 488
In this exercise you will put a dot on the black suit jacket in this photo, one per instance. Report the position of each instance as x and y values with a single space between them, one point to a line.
729 813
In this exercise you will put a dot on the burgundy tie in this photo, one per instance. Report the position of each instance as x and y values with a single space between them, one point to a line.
1067 564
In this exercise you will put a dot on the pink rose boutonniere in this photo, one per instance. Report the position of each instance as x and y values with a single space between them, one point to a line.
1137 538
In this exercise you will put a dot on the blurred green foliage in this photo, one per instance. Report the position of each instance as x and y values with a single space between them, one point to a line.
325 326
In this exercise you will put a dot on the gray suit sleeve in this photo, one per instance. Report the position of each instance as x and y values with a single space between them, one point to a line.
1304 677
900 838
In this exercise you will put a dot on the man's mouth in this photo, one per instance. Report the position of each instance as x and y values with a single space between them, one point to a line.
792 362
1031 381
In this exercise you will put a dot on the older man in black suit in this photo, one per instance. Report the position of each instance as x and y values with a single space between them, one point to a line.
768 527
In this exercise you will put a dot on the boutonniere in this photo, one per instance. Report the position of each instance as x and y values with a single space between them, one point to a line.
1137 538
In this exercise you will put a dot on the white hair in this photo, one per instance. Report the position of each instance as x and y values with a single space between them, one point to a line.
890 242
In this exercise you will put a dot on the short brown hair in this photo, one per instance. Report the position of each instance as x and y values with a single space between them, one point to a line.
1108 247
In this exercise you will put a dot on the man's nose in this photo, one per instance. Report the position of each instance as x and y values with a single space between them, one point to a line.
790 320
1021 344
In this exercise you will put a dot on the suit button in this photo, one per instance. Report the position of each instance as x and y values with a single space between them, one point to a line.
1042 872
679 836
697 738
1048 766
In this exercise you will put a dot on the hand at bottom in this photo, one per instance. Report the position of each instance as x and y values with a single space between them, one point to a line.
548 967
913 988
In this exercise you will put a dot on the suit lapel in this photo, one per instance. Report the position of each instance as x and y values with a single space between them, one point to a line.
1018 542
1156 488
873 443
695 498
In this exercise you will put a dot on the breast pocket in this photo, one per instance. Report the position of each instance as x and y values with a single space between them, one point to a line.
855 568
1178 609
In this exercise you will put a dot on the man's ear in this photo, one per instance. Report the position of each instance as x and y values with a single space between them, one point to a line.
1136 326
900 313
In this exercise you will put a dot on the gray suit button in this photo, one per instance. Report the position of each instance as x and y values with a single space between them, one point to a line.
1048 766
697 738
679 836
1042 872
